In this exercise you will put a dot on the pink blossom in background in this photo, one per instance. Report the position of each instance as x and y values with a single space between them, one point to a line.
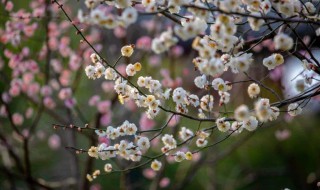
29 113
105 119
95 187
196 156
41 134
130 105
53 44
154 60
65 93
122 69
170 159
70 102
49 102
149 173
155 142
27 78
3 111
107 87
6 97
54 142
104 140
164 182
56 65
33 89
174 120
25 51
74 62
25 132
104 106
306 40
46 90
9 6
30 29
257 48
14 91
282 135
144 43
287 118
65 78
268 44
54 84
146 123
94 100
120 32
177 51
17 119
186 72
276 74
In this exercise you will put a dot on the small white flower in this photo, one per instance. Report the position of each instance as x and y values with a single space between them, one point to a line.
250 124
294 109
143 143
223 125
127 50
253 90
283 42
201 142
179 156
108 168
241 113
156 165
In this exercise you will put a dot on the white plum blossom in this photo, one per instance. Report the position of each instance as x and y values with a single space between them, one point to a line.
179 156
294 109
200 81
283 42
253 90
223 125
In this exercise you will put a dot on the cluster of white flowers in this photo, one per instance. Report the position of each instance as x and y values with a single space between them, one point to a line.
240 62
185 133
169 143
264 111
163 42
219 50
202 139
190 27
97 69
244 120
108 20
127 150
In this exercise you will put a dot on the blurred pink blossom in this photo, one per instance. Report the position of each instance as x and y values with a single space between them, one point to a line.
144 43
17 119
174 121
54 142
94 100
105 119
146 123
119 32
104 106
149 173
165 182
282 135
9 6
